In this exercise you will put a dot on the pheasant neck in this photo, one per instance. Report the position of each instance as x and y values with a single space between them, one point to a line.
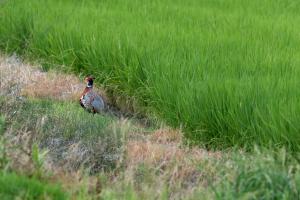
86 90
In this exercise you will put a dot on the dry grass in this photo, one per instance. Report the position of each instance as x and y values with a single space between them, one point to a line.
14 75
166 136
170 163
163 146
54 86
151 153
22 79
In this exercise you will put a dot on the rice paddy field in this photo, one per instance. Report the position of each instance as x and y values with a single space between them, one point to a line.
225 71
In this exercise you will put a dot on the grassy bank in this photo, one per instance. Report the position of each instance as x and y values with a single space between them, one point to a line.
226 71
151 168
93 142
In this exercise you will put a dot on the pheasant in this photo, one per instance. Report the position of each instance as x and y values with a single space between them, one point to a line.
89 99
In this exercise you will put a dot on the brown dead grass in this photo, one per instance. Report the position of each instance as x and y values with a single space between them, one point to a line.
21 79
13 75
54 86
151 153
173 164
166 136
165 145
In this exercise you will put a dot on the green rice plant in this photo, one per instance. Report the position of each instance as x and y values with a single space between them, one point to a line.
225 71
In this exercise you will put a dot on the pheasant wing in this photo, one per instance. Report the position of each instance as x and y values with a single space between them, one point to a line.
98 103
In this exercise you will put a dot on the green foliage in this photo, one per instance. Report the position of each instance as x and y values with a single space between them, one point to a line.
261 176
225 71
38 158
13 186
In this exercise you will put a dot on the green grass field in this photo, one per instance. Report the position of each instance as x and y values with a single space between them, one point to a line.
226 71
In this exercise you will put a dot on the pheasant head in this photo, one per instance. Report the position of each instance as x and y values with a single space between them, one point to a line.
89 81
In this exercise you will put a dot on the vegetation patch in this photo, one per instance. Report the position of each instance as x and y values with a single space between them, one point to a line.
14 186
225 71
72 136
